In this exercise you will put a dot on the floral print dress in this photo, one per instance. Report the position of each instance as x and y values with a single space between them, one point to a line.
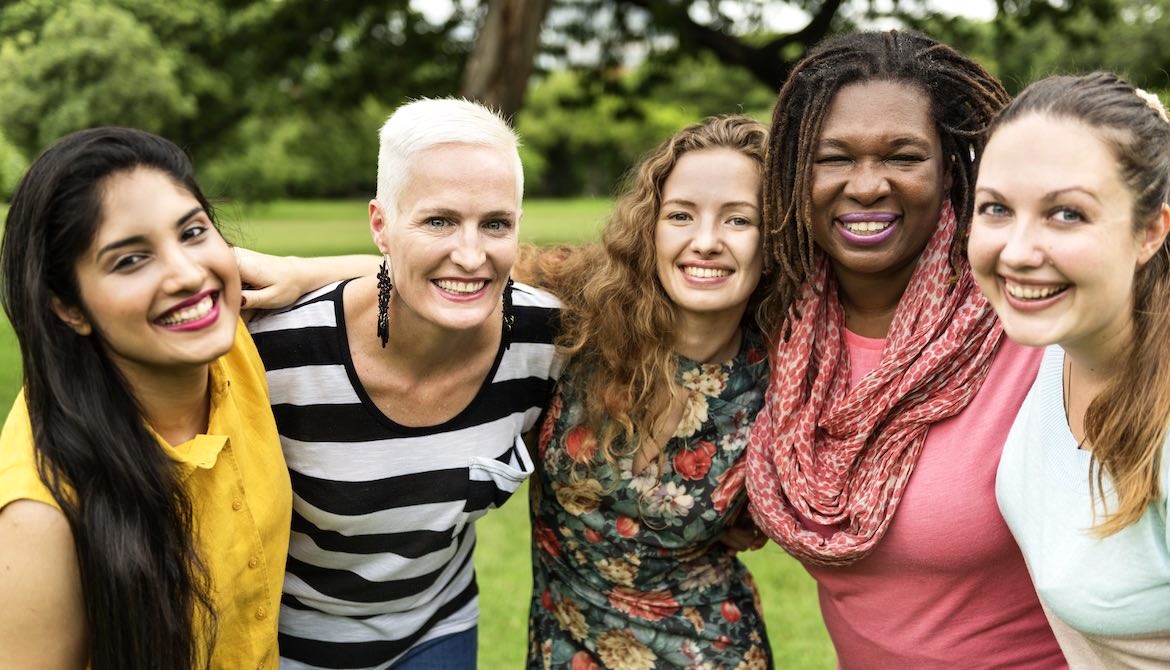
628 569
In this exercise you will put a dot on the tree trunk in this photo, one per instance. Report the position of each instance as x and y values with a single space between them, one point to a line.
500 64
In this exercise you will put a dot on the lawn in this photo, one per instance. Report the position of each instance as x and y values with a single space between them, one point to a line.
502 558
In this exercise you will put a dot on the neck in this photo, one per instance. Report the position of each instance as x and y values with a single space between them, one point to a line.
418 346
870 301
709 338
176 403
1089 367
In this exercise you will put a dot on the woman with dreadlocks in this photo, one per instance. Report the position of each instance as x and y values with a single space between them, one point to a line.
893 389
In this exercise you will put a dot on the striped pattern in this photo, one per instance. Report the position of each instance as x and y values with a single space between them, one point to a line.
382 530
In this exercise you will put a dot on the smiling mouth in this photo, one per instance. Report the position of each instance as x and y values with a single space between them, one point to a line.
705 273
1021 292
189 313
461 287
867 227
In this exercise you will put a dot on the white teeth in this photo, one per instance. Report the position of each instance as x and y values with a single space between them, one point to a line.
867 227
190 313
705 273
1033 292
460 286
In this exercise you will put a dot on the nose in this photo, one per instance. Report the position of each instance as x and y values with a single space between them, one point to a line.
868 183
468 253
1022 246
184 272
707 239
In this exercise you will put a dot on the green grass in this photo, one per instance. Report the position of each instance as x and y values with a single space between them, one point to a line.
502 558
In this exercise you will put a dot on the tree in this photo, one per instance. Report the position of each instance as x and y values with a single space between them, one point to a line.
502 61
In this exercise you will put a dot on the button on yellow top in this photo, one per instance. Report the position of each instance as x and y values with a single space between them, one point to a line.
236 504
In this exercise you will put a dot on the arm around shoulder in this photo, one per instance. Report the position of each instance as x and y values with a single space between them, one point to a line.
42 622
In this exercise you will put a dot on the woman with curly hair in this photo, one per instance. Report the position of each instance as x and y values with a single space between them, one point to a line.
640 457
892 390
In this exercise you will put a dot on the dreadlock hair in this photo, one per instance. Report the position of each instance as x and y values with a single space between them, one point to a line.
1126 423
146 590
963 98
618 323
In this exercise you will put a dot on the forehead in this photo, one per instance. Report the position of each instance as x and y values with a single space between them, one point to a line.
717 173
140 199
879 110
448 174
1049 153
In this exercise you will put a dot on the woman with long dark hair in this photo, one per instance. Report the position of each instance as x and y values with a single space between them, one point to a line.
144 500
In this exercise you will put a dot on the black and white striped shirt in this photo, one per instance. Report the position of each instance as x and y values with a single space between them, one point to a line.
382 526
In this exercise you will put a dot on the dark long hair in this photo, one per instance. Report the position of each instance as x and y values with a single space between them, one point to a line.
1126 423
963 96
146 591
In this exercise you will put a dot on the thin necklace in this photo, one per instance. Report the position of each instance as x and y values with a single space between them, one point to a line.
1067 383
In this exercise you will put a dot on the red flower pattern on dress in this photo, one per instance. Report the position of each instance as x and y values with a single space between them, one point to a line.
730 485
581 444
547 539
626 526
693 464
648 605
583 661
593 536
729 611
546 600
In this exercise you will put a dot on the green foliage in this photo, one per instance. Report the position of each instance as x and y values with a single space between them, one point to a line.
582 133
91 64
12 166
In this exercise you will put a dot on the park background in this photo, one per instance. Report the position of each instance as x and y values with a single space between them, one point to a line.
279 102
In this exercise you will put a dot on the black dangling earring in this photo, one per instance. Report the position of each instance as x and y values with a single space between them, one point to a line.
509 317
384 288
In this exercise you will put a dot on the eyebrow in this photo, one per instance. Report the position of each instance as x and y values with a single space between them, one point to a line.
726 205
139 239
907 140
1049 196
453 214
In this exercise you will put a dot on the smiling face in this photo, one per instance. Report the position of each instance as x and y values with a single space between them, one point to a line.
879 179
707 239
1053 243
158 284
453 237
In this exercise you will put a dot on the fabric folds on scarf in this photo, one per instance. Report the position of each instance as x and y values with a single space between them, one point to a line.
840 456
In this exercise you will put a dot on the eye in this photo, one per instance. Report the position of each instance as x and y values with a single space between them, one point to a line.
128 262
435 222
678 217
832 159
992 209
740 221
1068 215
906 158
498 225
194 231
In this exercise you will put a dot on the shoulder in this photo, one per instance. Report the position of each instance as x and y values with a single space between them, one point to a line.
43 618
18 470
530 296
314 309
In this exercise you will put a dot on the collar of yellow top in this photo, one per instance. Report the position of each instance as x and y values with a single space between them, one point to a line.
203 450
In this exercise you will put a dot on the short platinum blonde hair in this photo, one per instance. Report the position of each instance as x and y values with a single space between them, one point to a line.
429 122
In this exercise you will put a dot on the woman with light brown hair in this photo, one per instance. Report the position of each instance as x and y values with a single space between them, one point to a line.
1069 242
640 457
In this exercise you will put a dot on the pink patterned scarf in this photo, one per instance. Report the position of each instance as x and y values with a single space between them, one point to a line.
841 456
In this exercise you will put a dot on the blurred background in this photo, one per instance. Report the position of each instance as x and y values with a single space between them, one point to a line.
282 98
279 103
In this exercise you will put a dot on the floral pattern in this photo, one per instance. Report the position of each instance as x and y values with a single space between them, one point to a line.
629 572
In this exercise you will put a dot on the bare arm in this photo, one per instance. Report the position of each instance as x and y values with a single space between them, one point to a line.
42 621
277 281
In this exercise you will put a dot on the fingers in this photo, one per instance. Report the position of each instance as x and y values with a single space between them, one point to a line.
268 297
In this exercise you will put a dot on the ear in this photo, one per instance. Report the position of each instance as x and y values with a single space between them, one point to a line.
72 316
378 225
1154 236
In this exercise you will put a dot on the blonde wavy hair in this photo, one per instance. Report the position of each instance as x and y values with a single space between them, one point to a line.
618 322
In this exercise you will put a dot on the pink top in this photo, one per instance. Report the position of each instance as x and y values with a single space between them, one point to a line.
947 586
